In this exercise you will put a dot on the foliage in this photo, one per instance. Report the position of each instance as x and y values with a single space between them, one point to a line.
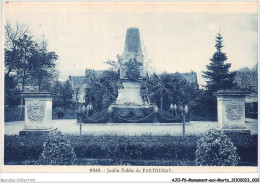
166 88
247 79
12 92
27 59
18 148
103 91
217 74
18 49
216 149
13 114
251 110
42 67
145 147
63 94
203 106
148 68
57 150
115 65
27 63
136 150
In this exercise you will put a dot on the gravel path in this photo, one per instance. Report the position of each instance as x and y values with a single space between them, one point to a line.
71 127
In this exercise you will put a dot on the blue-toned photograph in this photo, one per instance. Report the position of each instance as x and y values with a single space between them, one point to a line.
129 84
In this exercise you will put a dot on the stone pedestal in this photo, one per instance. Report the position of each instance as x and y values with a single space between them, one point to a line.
231 111
130 94
38 113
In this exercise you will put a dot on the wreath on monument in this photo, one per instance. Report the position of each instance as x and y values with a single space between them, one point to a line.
132 71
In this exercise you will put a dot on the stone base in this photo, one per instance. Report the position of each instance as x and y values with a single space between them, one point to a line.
35 132
231 132
129 94
132 113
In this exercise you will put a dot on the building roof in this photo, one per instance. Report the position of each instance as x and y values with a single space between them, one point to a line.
96 73
191 77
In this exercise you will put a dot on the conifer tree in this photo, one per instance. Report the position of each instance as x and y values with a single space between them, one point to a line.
217 74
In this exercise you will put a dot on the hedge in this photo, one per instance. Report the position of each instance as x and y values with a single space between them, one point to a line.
129 149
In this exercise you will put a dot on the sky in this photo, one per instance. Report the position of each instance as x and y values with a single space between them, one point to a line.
178 37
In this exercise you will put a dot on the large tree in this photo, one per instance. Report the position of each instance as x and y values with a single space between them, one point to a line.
13 35
218 75
19 48
28 61
42 66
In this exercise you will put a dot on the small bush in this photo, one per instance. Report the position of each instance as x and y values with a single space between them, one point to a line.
216 149
57 150
18 148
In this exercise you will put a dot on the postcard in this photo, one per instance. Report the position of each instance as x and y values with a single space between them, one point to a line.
110 88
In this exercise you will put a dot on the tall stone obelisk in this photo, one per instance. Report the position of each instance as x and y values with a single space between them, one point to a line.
132 53
131 72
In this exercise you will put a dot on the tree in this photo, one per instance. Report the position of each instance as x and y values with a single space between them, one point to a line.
104 90
12 37
27 60
247 79
157 89
19 47
148 68
166 88
78 88
217 74
63 95
115 65
42 66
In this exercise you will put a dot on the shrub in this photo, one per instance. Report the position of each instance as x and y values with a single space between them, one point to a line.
18 148
216 149
57 150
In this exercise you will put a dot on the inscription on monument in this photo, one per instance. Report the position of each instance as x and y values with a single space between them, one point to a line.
35 112
234 111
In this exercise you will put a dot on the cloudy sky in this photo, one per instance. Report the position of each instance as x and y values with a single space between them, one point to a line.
179 37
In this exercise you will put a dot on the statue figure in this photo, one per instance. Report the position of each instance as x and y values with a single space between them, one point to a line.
144 92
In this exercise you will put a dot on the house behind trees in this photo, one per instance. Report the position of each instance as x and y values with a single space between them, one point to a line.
80 83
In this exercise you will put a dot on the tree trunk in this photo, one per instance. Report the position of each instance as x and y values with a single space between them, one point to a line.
21 109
